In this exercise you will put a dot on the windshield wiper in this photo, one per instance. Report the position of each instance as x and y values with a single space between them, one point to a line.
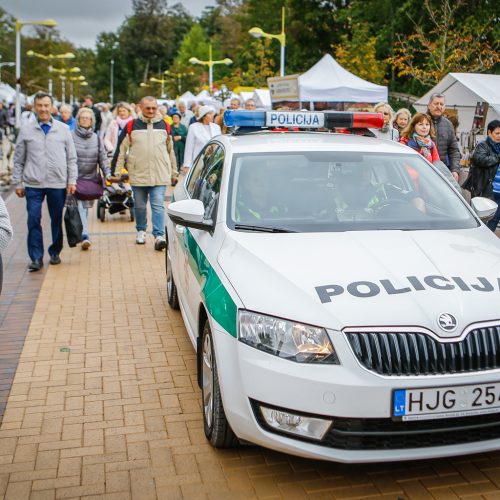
263 229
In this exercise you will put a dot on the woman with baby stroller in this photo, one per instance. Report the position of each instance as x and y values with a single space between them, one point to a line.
93 167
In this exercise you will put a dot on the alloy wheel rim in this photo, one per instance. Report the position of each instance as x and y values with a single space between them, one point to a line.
208 381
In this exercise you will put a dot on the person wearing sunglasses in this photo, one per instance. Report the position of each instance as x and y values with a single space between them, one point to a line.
387 131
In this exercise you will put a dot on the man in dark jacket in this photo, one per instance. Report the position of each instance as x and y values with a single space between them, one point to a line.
446 142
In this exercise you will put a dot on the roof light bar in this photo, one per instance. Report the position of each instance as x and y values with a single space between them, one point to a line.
303 119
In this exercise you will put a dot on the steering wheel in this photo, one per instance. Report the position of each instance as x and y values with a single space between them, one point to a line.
388 203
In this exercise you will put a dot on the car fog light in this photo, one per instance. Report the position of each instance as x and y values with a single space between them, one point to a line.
299 425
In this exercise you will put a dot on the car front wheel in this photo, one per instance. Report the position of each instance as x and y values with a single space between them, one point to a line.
217 428
172 297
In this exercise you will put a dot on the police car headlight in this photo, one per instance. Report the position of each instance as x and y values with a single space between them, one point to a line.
286 339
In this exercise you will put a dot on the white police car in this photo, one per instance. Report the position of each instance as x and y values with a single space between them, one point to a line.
343 299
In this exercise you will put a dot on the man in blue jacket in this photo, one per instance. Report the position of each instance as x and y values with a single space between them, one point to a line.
44 167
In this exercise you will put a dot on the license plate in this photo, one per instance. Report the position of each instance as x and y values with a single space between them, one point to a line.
446 402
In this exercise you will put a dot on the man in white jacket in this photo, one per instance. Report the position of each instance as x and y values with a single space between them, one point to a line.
199 134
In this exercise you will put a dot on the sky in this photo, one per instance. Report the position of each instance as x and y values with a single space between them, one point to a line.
80 21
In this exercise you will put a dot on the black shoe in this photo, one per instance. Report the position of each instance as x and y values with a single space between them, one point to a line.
54 260
35 265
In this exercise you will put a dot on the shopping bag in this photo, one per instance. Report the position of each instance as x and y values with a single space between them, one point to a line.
72 222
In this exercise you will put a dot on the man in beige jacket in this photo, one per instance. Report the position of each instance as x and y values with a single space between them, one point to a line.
146 145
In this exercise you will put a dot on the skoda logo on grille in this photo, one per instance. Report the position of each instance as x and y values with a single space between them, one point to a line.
447 322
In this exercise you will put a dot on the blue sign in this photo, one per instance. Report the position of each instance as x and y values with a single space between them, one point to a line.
399 403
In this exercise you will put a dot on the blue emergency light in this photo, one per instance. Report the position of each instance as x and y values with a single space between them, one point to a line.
302 119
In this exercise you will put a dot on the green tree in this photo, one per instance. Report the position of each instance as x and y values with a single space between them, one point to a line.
429 55
358 54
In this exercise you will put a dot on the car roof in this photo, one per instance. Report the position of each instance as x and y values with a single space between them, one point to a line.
309 141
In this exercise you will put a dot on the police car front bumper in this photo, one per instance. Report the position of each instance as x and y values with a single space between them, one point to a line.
356 401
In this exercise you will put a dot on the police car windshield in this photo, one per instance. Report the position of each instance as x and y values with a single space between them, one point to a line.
342 191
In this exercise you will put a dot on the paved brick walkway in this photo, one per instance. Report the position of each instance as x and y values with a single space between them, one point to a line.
105 403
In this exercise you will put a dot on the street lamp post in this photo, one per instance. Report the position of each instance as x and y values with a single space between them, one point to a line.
62 76
210 63
178 77
112 83
50 23
63 88
162 82
257 33
51 57
114 46
72 79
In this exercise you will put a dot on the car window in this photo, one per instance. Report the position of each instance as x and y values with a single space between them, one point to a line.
339 191
207 190
200 163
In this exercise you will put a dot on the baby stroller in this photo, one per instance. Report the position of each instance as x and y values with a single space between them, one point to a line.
117 198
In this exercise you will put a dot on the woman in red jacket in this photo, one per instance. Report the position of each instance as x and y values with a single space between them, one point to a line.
418 135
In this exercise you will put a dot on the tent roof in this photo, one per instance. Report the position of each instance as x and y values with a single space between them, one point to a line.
6 92
327 80
465 89
263 97
187 96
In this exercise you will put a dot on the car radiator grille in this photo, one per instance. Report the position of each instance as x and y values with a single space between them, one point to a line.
419 354
385 434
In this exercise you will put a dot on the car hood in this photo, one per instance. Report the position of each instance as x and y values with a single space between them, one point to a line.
368 278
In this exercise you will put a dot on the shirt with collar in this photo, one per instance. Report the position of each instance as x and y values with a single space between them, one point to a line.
45 126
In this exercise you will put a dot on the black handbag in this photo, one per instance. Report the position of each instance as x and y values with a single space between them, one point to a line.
72 222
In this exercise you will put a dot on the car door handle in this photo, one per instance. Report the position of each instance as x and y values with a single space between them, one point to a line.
180 229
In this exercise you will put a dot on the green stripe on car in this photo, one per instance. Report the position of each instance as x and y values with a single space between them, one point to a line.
219 303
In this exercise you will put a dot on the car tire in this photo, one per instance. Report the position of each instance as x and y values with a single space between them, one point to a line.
217 428
172 297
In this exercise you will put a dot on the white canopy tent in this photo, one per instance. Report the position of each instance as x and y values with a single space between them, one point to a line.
328 81
462 92
188 97
7 93
262 98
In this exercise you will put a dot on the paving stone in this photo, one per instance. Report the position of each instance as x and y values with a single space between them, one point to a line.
104 401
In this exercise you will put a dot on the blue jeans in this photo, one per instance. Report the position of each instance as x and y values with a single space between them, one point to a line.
84 215
493 223
157 200
55 204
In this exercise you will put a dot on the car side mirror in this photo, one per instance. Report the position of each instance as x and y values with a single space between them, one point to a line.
189 213
484 208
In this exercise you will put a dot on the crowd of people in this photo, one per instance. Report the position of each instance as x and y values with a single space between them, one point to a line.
143 147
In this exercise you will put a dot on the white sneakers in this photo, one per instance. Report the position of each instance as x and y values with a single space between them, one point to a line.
86 244
160 243
141 237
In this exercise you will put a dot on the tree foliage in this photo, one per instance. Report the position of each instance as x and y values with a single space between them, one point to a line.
409 44
429 55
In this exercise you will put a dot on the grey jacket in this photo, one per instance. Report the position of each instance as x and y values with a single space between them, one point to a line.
90 153
5 226
44 161
447 143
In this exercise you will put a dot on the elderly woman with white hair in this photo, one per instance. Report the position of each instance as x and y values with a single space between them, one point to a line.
91 158
387 131
66 116
199 134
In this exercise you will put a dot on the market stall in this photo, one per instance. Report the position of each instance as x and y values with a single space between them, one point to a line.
474 98
328 82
